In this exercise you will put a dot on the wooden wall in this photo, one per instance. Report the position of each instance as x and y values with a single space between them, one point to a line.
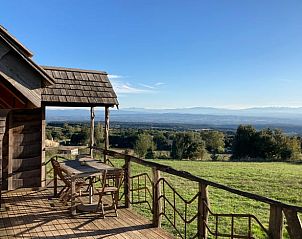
22 151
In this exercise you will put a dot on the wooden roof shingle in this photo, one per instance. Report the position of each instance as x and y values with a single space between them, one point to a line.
78 87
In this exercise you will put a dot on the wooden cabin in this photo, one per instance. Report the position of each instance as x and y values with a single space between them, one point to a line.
25 90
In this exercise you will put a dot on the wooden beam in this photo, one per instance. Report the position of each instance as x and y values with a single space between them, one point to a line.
5 104
294 226
127 182
92 116
157 208
106 131
13 94
203 212
275 222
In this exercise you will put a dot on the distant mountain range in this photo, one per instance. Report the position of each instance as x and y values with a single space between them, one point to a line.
279 112
206 116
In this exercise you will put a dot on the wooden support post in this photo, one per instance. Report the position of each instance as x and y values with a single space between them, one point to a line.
73 208
92 115
10 152
294 226
2 131
3 114
43 130
55 183
203 212
275 222
157 209
127 182
106 131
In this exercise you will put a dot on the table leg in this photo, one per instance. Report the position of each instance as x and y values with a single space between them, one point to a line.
55 183
90 189
117 192
72 201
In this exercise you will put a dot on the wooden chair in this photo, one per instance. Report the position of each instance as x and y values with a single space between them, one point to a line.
115 176
65 193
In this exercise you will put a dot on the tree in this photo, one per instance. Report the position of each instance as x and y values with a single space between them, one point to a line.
82 137
214 141
67 130
57 134
161 142
265 144
187 146
244 140
150 154
142 144
48 134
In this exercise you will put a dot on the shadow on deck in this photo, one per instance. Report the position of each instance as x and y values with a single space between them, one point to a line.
34 214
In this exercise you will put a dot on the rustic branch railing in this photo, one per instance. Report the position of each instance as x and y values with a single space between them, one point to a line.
277 208
176 212
232 217
136 196
142 184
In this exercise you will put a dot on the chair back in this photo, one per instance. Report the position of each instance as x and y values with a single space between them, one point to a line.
63 174
113 175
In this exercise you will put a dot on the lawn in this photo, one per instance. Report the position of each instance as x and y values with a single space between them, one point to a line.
280 181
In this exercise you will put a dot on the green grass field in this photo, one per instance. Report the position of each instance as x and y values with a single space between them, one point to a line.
280 181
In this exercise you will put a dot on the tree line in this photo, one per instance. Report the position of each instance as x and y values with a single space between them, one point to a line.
266 144
245 144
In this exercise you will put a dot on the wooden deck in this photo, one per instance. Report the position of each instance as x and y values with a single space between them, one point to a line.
34 214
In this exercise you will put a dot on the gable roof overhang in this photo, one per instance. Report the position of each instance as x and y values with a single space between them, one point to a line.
15 42
15 46
33 97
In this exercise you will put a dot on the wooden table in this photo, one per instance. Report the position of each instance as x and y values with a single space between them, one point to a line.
78 169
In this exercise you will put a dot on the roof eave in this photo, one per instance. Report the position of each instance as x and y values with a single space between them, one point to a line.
14 41
48 80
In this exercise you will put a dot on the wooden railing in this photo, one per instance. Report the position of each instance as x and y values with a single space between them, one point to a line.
278 210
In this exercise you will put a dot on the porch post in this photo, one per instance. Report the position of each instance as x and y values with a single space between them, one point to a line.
106 131
10 152
3 114
43 132
91 130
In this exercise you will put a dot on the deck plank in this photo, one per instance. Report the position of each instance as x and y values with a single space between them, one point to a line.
33 214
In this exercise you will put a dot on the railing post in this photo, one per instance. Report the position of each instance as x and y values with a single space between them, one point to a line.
294 226
203 212
106 133
157 209
275 222
92 115
127 182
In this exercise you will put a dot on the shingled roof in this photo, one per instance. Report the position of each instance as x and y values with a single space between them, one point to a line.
77 87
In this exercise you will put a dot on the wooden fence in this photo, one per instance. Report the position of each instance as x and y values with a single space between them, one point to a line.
278 210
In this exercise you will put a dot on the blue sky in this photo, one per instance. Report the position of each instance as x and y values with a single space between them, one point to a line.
171 54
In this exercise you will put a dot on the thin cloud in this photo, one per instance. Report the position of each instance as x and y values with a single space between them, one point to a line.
126 88
122 87
154 86
115 76
148 86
